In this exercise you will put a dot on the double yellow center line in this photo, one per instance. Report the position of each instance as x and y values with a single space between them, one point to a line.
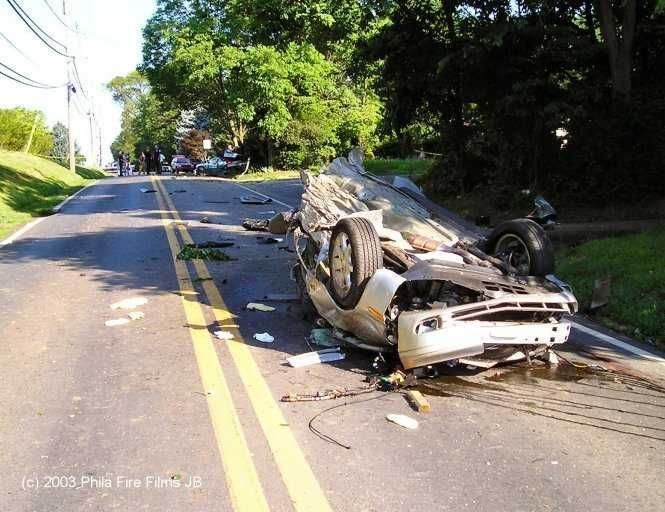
243 482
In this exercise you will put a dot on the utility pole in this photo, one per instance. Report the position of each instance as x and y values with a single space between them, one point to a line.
32 134
70 127
92 144
99 127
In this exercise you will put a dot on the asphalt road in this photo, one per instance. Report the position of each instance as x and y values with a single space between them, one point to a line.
159 415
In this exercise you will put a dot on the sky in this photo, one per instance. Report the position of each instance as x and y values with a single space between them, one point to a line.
108 44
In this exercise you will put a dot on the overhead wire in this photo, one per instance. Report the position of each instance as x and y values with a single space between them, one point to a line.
36 25
54 12
36 82
24 83
31 81
17 9
77 77
9 41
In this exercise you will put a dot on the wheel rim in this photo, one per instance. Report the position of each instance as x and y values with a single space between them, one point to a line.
342 264
511 249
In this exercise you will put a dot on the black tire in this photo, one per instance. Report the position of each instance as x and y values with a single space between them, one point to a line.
366 258
535 245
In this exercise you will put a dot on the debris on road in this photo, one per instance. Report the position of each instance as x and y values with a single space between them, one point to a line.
320 356
269 212
256 306
279 224
179 223
282 297
403 421
179 191
205 220
269 240
224 335
217 202
255 224
136 315
148 190
193 253
116 321
252 199
264 337
130 303
418 401
210 245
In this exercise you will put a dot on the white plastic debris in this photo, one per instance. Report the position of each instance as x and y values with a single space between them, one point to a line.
255 306
320 356
116 321
136 315
130 303
224 335
264 337
403 421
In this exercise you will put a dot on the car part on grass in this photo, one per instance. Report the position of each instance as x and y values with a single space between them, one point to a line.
400 276
264 337
130 303
252 199
317 357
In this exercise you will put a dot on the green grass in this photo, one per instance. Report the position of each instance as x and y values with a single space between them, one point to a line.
268 175
30 186
388 166
636 264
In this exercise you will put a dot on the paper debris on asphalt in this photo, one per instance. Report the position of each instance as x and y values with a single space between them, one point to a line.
129 303
223 335
264 337
255 306
136 315
116 321
402 421
320 356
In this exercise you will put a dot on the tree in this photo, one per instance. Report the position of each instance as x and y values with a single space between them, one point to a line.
17 125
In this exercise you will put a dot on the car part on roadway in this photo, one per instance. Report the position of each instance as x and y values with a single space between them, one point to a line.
355 256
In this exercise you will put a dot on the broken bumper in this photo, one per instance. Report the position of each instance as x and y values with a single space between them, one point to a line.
421 346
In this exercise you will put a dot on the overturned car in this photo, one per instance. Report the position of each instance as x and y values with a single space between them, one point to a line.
397 273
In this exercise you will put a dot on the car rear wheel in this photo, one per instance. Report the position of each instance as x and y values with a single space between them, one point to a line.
523 244
354 257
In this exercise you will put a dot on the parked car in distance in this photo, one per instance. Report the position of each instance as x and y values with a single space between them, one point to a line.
181 163
113 166
214 167
166 169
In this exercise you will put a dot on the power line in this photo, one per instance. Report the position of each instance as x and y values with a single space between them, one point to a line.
37 26
14 7
39 84
25 83
78 78
16 48
53 11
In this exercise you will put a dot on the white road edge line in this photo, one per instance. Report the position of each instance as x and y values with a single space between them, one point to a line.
57 208
11 238
618 343
260 194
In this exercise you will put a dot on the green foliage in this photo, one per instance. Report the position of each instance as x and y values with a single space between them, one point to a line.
635 264
16 126
263 78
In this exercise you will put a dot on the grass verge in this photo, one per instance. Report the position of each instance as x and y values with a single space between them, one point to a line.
390 166
272 175
30 186
635 264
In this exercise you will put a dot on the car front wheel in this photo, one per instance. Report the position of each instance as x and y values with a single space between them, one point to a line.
354 257
524 245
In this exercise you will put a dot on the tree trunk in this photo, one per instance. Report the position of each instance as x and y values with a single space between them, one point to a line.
619 48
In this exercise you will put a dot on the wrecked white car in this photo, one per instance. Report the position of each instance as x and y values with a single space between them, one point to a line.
398 273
